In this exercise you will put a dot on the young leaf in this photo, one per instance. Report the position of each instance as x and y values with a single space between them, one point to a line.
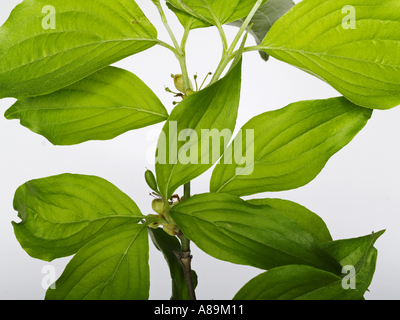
231 229
41 52
264 18
102 106
290 146
305 218
61 213
168 245
302 282
113 266
352 46
184 149
215 12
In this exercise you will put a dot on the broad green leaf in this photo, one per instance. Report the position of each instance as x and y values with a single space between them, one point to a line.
291 282
62 213
188 21
300 282
215 12
359 253
264 18
113 266
243 8
168 245
102 106
37 59
231 229
287 148
350 251
184 149
353 46
305 218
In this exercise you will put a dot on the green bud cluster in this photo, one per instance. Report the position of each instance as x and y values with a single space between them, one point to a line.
169 225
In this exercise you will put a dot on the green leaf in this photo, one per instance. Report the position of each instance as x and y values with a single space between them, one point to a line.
184 150
264 18
291 282
350 251
168 245
287 148
231 229
305 218
215 12
62 213
300 282
102 106
242 9
362 63
87 36
359 253
113 266
188 21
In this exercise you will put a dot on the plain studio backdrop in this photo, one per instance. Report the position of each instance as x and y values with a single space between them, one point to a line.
356 193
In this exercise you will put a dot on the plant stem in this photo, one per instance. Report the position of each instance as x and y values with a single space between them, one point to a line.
254 48
185 257
185 74
166 45
182 60
186 191
165 22
184 39
244 26
179 51
223 38
186 260
229 54
221 67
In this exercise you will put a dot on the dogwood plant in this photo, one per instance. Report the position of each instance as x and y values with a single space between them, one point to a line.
55 59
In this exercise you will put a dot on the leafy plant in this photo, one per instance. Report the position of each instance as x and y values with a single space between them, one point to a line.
58 67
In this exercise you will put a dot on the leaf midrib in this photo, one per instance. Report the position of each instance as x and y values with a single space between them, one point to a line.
123 258
110 108
78 47
305 52
282 146
85 220
192 214
167 186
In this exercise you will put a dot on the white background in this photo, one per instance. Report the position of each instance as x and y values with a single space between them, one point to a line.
355 194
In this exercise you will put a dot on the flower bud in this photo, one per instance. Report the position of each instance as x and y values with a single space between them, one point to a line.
179 84
151 180
158 206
